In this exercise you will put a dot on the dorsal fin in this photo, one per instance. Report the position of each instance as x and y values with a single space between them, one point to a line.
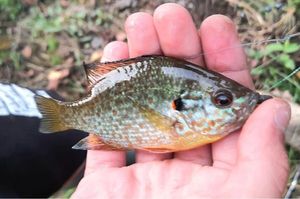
96 70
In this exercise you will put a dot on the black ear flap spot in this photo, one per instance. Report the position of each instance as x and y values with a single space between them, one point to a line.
177 104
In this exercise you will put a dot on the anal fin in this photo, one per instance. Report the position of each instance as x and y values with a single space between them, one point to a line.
94 142
158 150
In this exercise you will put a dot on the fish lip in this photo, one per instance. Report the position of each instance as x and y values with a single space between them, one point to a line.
256 98
262 98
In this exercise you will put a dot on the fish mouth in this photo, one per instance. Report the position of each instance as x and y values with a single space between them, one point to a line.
262 98
256 98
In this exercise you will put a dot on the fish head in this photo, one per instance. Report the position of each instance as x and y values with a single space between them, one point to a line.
217 110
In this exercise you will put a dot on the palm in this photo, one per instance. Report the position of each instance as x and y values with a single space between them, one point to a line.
248 163
177 178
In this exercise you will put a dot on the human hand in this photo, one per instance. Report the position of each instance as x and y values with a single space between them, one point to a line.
247 163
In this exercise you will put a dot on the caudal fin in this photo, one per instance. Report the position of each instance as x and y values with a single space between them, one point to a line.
50 109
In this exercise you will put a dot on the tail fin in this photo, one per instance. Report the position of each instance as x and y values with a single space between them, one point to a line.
50 110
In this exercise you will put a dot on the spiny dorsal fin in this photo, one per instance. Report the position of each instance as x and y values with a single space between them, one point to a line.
96 70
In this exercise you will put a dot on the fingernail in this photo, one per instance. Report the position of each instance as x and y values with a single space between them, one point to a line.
282 115
222 23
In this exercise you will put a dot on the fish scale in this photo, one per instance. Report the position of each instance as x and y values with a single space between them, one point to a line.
154 103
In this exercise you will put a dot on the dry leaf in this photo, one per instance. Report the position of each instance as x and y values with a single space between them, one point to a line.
96 56
5 42
27 51
298 74
55 76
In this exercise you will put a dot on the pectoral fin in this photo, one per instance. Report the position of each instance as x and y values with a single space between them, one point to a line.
161 122
94 142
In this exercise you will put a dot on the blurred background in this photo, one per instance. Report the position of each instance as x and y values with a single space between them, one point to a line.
43 44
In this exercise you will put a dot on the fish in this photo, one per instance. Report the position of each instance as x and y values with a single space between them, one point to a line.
154 103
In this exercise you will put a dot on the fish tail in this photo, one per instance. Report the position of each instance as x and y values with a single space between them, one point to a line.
50 110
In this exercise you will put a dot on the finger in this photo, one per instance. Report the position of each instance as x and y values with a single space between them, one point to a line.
142 39
178 37
218 32
222 49
177 33
141 35
261 150
113 51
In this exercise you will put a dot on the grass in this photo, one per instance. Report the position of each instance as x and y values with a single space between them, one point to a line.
280 63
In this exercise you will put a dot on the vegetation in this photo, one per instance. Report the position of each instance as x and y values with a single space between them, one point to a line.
273 21
50 38
278 62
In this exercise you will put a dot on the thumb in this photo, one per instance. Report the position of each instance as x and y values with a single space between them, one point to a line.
263 134
261 149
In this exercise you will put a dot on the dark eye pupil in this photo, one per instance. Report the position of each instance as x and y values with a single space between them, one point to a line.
222 98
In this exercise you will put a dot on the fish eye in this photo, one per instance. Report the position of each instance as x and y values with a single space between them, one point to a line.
177 104
222 98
